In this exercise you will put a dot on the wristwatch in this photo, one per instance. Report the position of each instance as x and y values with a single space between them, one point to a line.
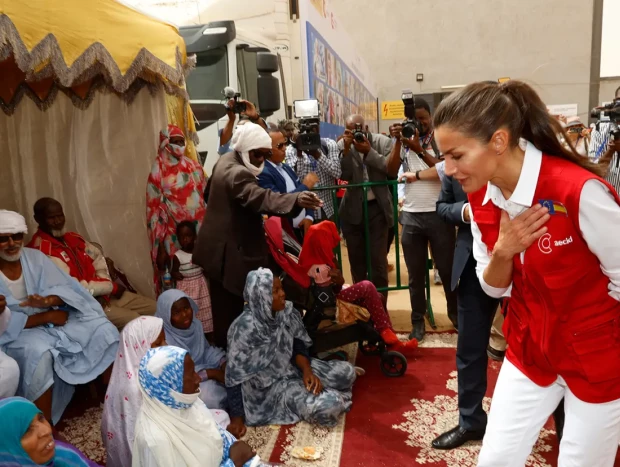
420 154
417 175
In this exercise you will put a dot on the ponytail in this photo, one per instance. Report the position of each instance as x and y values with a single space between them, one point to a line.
480 109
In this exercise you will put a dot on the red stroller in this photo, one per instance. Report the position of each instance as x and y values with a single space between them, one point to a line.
285 251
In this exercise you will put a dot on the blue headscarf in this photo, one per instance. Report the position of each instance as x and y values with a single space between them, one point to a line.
258 341
191 339
16 415
161 375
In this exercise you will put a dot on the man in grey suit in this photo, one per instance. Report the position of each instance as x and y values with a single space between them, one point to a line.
365 161
476 311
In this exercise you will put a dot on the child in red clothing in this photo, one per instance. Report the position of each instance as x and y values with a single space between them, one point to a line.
317 257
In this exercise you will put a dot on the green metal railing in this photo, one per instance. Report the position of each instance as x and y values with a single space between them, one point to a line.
393 184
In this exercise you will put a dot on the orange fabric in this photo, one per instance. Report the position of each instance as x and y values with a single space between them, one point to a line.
319 245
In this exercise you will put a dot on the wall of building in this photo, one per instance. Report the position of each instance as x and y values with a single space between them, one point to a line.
608 88
452 42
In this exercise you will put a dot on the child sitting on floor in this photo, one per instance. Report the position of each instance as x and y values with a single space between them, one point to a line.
189 276
317 257
183 330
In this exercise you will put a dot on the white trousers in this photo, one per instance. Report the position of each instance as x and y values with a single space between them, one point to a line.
519 410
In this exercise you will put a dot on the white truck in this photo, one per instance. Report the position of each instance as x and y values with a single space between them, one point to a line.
274 52
224 59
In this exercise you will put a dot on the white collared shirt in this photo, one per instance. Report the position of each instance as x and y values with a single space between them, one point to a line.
290 187
599 219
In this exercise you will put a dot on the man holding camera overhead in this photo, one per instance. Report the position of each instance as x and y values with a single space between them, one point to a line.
415 150
604 145
364 159
323 163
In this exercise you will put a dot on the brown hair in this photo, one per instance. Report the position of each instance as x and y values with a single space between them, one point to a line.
480 109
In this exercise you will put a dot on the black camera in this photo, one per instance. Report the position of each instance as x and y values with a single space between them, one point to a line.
238 107
307 111
411 124
609 111
358 133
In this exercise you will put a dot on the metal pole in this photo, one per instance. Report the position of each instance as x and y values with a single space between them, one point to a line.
336 219
396 234
367 234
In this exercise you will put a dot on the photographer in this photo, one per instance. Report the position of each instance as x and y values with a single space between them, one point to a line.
364 159
250 114
419 157
323 163
604 148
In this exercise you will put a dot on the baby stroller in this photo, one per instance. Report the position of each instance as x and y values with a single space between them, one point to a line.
319 304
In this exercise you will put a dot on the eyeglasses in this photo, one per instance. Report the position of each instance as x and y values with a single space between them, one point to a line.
18 237
280 145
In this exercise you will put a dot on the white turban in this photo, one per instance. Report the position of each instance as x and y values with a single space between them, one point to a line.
12 223
249 137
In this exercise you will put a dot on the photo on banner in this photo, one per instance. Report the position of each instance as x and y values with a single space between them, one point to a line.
339 92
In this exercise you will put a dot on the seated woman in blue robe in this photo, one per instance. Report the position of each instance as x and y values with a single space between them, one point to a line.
270 376
183 329
57 332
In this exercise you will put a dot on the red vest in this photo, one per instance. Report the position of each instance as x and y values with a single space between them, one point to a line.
72 252
561 319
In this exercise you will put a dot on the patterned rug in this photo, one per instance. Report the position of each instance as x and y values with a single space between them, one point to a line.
392 422
82 421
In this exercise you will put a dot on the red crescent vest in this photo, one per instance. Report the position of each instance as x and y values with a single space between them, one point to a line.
72 252
560 319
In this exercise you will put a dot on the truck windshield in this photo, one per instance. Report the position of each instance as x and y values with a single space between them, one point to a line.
210 77
247 75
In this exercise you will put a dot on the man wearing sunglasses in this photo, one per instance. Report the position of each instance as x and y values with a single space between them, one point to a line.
56 332
279 177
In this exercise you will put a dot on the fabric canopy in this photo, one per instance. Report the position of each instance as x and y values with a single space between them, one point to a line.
80 47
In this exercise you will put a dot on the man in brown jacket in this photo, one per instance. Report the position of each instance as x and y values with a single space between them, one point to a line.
231 241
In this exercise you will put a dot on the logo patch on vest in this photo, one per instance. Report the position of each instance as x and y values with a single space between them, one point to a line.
554 207
566 241
65 256
544 244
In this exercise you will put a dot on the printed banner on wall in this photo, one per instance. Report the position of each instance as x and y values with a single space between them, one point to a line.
339 92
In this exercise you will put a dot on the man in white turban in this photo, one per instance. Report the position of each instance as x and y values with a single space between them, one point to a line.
231 241
51 326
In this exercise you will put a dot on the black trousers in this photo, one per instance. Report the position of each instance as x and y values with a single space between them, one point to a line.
421 229
391 235
355 236
225 308
476 311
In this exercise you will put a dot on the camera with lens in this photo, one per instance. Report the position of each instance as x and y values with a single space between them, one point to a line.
358 133
307 111
238 107
609 112
411 124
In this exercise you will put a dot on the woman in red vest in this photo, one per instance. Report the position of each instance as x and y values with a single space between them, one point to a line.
545 233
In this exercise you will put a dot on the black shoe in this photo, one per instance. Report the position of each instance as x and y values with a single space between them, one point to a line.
419 329
456 437
497 355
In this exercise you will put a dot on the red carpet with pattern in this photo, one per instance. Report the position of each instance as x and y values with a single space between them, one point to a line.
392 423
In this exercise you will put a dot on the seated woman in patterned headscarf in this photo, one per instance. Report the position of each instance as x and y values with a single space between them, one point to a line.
174 426
270 376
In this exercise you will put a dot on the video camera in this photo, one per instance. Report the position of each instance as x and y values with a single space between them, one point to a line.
609 112
308 113
411 124
239 107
